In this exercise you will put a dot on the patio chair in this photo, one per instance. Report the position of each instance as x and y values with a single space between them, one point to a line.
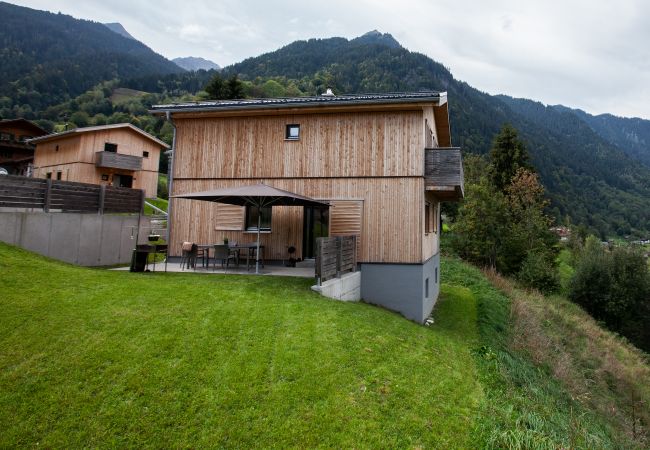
222 253
190 252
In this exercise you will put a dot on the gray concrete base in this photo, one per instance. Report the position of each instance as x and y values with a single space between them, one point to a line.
84 239
347 288
410 289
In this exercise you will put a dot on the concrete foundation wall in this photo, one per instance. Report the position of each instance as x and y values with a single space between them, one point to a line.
403 287
83 239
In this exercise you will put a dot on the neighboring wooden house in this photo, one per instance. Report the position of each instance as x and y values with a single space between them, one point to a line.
383 161
16 153
119 155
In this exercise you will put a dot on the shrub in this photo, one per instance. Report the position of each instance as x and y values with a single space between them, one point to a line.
538 271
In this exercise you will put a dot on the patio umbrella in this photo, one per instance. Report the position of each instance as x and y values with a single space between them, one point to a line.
257 195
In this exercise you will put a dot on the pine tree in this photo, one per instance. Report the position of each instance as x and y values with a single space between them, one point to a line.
508 154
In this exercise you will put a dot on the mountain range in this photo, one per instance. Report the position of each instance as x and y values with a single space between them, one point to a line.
596 169
196 63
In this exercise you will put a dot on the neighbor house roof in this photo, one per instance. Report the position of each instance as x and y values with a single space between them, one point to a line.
75 131
24 123
305 102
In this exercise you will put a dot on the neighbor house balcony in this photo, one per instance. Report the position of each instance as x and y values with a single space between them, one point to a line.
443 173
114 160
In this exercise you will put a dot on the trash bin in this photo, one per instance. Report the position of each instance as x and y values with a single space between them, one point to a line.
139 260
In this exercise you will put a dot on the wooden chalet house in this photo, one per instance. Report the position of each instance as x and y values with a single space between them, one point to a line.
16 152
119 155
384 162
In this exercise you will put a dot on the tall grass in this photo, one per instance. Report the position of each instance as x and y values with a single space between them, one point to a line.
525 404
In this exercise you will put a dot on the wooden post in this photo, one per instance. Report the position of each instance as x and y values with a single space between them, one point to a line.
339 255
48 195
142 201
319 259
102 198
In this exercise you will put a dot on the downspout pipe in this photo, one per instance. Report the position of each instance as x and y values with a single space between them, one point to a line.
170 180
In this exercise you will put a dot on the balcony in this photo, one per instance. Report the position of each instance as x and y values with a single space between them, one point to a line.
115 160
443 173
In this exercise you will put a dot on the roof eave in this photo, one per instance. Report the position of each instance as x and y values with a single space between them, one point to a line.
438 99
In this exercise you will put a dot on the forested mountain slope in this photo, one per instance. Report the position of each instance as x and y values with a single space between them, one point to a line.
49 58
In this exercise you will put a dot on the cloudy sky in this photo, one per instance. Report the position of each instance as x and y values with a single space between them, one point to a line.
589 54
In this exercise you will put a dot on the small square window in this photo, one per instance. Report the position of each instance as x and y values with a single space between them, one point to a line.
292 132
145 154
104 177
56 149
58 175
48 175
108 147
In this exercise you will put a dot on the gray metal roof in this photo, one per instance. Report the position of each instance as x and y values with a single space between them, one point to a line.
297 102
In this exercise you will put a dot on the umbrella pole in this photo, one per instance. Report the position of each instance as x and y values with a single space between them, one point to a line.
257 252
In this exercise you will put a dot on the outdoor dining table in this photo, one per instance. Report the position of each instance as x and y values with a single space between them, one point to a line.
250 248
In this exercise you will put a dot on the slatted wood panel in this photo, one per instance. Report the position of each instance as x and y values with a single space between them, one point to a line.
392 222
122 200
74 197
229 217
443 167
23 192
346 219
335 256
330 145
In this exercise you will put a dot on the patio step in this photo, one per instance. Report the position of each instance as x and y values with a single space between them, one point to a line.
306 263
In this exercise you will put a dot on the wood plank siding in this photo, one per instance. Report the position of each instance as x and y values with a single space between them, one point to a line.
330 145
369 164
388 232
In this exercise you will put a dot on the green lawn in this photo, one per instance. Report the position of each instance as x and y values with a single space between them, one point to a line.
98 358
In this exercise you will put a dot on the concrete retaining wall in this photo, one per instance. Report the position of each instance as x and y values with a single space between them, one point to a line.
410 289
83 239
347 288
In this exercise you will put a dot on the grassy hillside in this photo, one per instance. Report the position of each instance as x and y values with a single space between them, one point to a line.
99 358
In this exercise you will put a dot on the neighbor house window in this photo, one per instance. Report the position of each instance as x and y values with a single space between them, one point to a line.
48 175
253 214
108 147
6 136
293 132
58 175
145 154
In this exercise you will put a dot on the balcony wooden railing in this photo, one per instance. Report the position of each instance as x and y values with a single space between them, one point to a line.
443 172
115 160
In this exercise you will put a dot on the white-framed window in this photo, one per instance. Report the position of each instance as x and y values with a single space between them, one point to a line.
292 132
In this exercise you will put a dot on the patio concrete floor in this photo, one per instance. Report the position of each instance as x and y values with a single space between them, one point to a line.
304 270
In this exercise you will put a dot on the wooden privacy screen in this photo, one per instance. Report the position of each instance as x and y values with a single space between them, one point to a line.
346 219
67 196
229 217
335 256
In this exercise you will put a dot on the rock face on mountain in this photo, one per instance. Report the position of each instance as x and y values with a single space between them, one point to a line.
119 29
196 63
